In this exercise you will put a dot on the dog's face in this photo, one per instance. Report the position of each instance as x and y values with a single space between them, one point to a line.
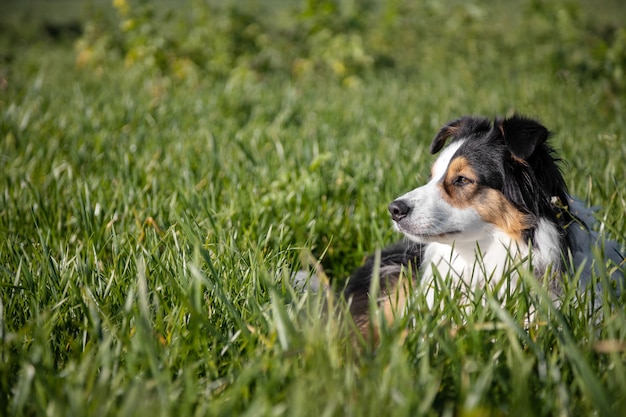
469 194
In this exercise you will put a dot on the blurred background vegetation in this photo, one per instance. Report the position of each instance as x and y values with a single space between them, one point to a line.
345 40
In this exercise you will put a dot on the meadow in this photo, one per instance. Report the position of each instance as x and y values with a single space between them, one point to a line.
166 169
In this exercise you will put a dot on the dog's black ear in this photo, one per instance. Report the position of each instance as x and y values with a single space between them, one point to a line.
522 136
458 128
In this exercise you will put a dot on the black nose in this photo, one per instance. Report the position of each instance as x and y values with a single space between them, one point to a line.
399 210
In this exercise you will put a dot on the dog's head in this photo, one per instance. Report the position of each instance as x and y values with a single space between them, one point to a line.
491 176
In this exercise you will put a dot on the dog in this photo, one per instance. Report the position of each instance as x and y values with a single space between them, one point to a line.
496 199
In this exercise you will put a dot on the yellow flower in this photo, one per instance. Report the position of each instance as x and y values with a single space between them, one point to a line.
84 57
128 25
121 6
338 67
351 81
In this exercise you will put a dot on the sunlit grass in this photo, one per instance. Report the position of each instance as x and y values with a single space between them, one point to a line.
149 229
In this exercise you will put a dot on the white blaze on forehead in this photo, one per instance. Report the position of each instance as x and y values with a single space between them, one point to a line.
429 192
431 216
441 164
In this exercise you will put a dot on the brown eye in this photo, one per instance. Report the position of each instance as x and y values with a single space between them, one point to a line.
462 181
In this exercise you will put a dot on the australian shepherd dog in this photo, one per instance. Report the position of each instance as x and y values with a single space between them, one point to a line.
495 200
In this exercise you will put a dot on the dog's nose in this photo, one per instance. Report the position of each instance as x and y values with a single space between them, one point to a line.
399 210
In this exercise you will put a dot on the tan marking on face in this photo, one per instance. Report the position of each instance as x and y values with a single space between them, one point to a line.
459 196
494 208
491 205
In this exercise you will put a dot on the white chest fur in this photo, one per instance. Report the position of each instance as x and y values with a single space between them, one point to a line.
478 264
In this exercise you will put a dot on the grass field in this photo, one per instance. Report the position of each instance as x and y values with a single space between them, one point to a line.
158 191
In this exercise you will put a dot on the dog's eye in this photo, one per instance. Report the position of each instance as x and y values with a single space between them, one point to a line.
461 181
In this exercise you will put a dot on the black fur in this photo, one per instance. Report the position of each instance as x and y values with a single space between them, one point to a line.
394 259
459 128
514 158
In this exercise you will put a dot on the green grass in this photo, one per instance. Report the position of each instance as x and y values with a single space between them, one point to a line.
149 225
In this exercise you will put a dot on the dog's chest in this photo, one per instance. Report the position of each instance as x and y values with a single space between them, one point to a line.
471 265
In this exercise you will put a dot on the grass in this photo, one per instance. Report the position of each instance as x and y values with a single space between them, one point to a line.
149 226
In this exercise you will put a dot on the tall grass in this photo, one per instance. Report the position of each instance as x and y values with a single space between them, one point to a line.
150 224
